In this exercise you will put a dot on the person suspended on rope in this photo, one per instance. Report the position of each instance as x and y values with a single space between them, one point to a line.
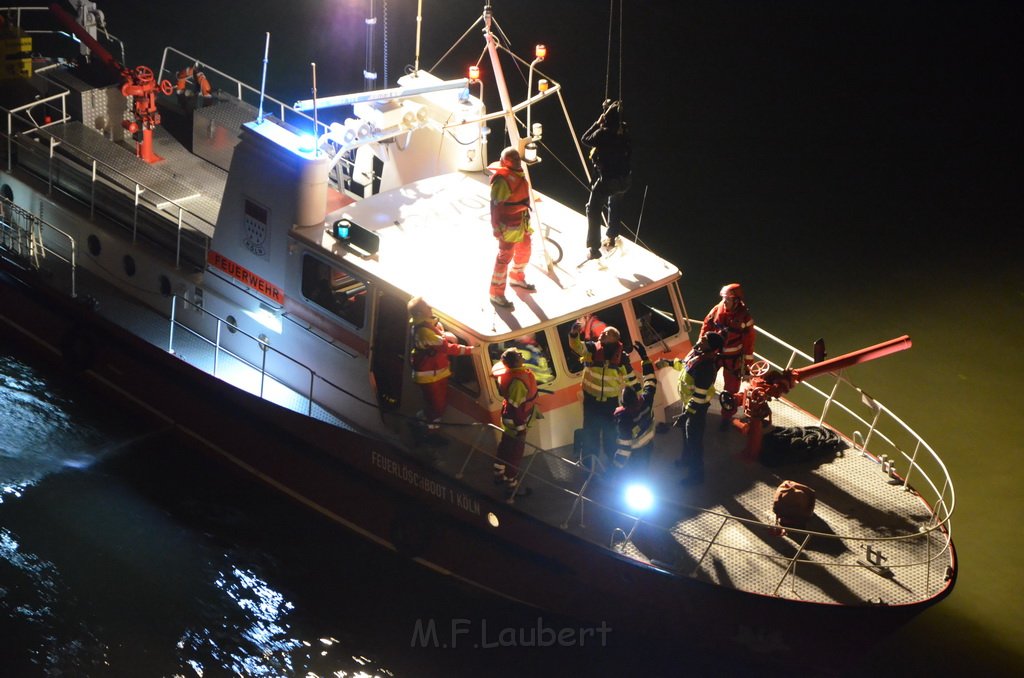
610 151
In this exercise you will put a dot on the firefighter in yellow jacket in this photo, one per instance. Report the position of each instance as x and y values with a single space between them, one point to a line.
518 385
431 348
606 370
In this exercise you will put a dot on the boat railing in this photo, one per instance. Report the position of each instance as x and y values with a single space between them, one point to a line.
894 444
27 138
599 511
242 91
26 235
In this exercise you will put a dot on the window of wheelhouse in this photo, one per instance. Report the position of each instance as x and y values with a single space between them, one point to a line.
334 289
592 325
463 370
655 316
536 355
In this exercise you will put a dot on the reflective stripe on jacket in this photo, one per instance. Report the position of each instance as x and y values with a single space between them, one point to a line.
603 376
430 351
510 214
736 328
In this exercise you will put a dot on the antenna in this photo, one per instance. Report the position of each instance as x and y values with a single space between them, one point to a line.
263 83
419 24
316 126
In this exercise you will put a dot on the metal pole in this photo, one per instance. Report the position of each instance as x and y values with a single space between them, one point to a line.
316 126
263 82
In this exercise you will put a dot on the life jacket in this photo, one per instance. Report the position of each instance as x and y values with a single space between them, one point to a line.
736 328
516 417
429 356
697 379
508 214
604 372
592 328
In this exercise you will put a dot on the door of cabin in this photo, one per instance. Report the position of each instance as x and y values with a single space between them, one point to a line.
388 364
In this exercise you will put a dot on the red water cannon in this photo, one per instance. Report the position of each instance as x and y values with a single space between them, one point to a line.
139 83
767 384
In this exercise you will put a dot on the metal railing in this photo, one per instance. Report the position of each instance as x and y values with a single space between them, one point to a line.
23 142
241 88
25 235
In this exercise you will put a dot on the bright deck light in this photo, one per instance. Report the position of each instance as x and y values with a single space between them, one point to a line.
639 497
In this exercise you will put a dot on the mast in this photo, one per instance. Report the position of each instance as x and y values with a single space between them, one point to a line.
511 127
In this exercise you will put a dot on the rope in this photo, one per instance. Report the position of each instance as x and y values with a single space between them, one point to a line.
608 68
621 21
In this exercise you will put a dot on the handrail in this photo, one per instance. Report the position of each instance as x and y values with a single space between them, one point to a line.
34 231
576 496
117 178
240 87
579 499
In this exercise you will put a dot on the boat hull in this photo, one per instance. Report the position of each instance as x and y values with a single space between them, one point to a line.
398 501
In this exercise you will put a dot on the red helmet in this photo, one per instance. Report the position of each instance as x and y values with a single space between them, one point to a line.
732 290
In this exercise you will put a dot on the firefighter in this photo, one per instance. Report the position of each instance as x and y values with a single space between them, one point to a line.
732 320
697 373
535 358
510 224
591 327
634 420
605 373
608 139
518 386
431 347
192 82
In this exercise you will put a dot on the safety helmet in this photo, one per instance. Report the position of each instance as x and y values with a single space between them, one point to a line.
419 309
611 332
628 396
510 157
732 290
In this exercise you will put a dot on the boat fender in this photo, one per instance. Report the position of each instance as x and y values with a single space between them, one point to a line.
411 532
78 349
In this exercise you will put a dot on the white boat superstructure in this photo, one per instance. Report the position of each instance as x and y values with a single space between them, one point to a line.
280 263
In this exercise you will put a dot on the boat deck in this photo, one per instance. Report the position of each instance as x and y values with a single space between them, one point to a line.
869 542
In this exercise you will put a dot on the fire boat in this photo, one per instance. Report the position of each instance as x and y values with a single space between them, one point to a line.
238 270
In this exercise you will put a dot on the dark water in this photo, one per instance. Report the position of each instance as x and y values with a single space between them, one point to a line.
855 165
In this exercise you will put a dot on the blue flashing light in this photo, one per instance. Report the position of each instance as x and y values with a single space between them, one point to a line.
342 229
307 143
639 497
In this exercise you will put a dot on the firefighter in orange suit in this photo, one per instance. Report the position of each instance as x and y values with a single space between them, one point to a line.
431 347
518 385
591 327
510 223
732 320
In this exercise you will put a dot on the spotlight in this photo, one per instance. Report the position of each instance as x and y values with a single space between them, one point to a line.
639 497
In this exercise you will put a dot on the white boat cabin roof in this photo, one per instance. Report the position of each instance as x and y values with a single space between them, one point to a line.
436 242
